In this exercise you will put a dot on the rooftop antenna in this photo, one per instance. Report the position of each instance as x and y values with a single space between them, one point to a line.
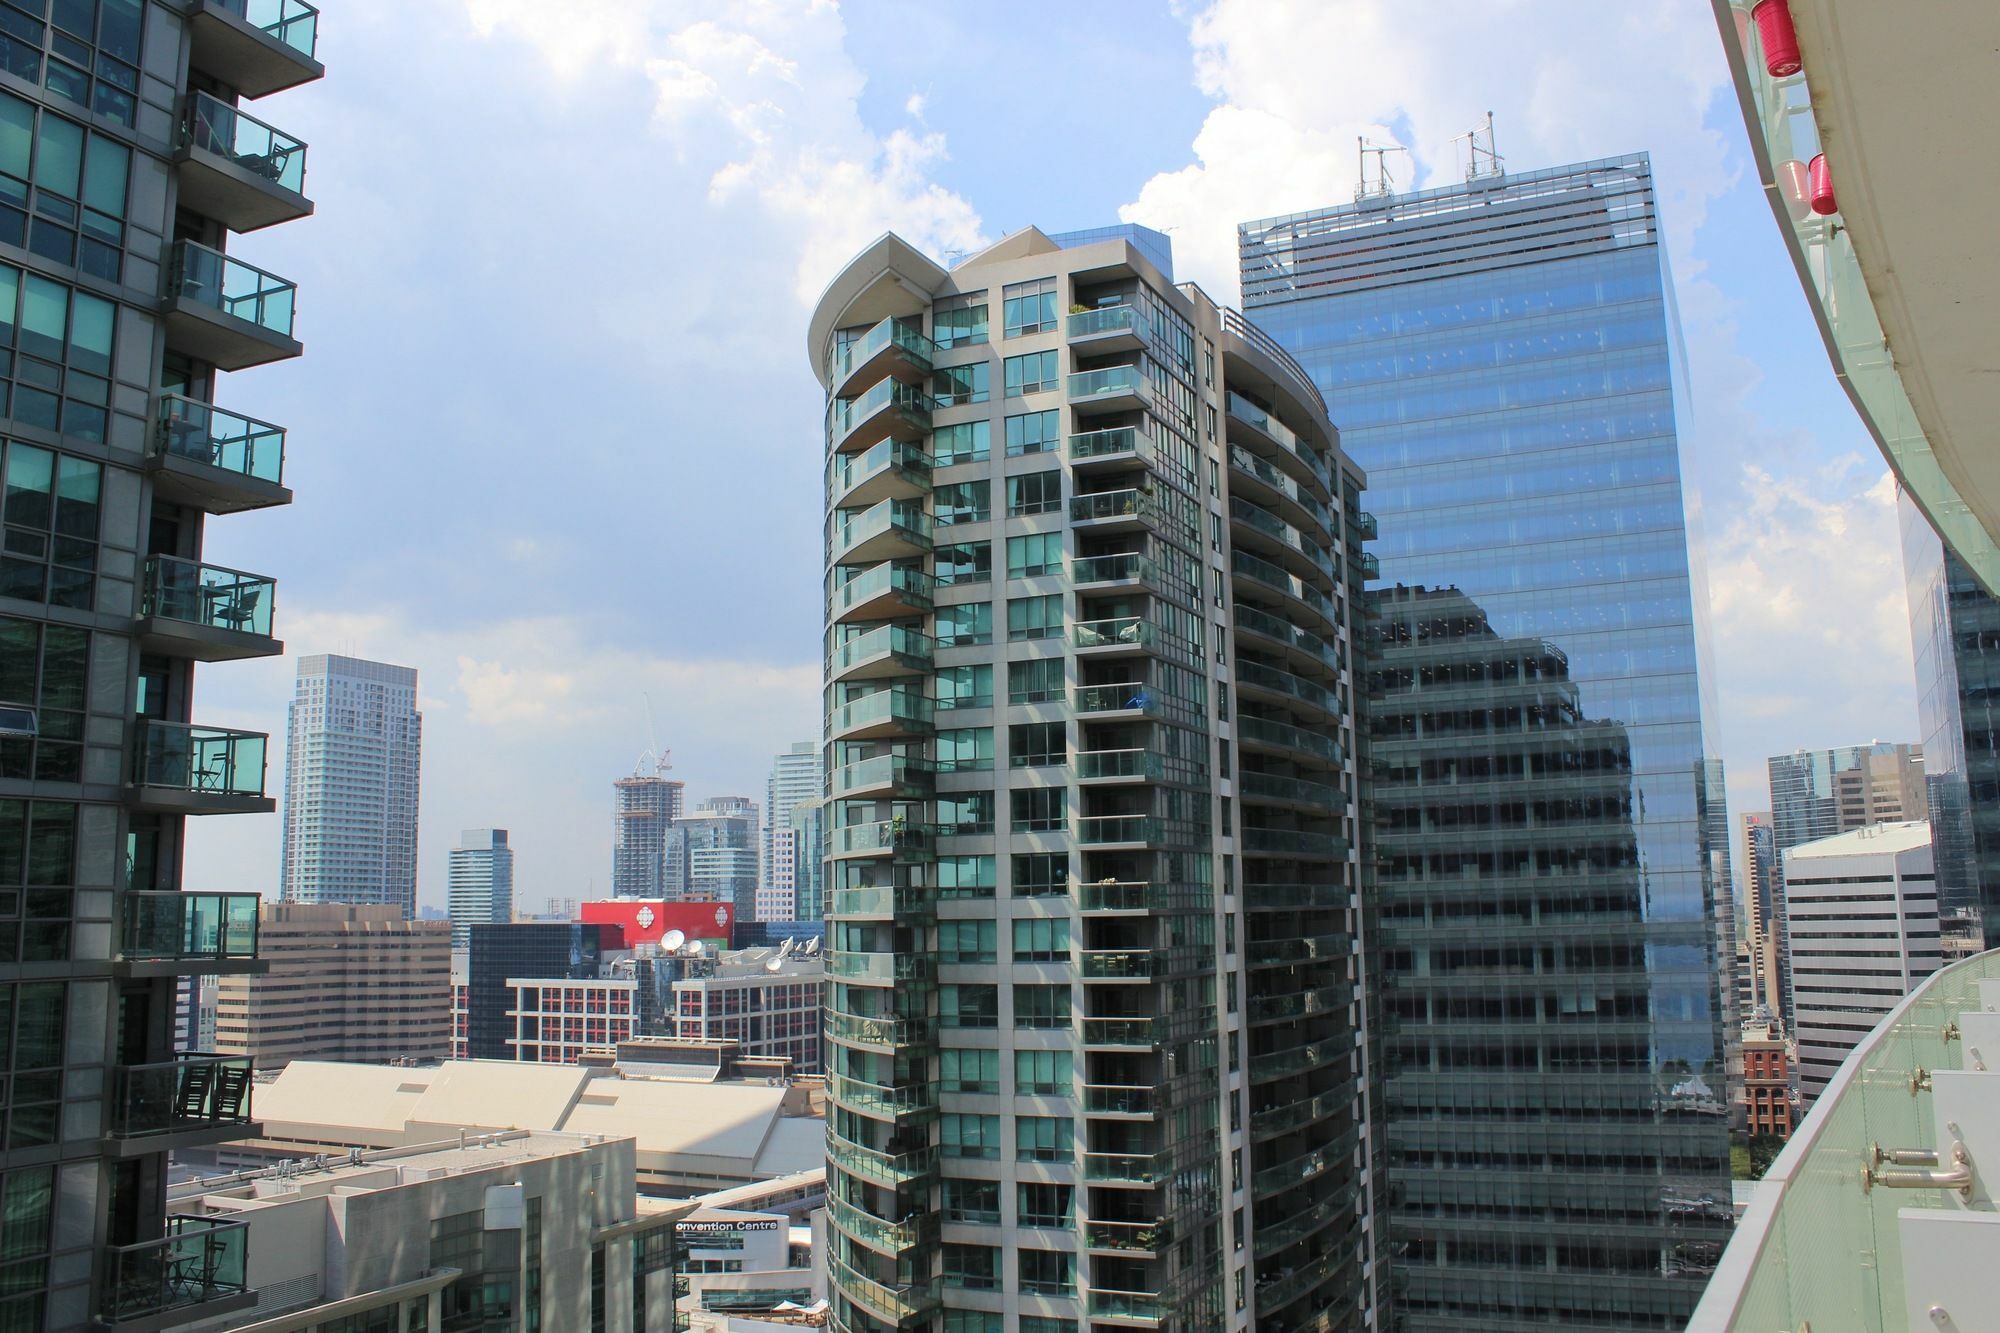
1481 157
1380 186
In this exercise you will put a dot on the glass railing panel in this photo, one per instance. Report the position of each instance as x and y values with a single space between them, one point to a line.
212 760
1118 1032
900 515
1112 504
205 433
1121 697
1114 1099
200 1259
210 595
905 643
172 927
193 1091
293 22
912 585
847 471
1291 738
1119 632
1124 565
211 278
844 414
1106 319
899 704
1119 764
896 769
1106 443
263 150
1111 379
1126 1304
892 330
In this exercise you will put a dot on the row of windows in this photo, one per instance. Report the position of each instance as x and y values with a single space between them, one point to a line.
1036 940
72 182
87 53
972 501
1036 1204
1036 1074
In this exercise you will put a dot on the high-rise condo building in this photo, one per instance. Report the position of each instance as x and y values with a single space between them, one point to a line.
808 850
351 772
345 982
132 165
1503 358
1096 954
722 836
1955 635
1818 793
1864 932
795 778
482 883
646 808
1764 904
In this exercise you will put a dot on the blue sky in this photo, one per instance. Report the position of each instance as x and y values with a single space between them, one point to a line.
555 439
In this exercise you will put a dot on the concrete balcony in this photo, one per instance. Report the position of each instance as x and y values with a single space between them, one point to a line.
205 613
897 712
1127 510
257 47
891 407
1116 328
885 652
238 170
890 348
888 530
192 1100
888 777
189 934
216 461
1110 389
891 469
228 313
180 769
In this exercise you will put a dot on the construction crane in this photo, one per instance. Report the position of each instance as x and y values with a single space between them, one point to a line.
654 757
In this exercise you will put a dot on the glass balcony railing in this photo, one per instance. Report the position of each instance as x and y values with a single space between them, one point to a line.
1146 1237
1118 1032
890 1170
1272 787
900 773
1114 504
293 22
865 1226
1116 442
905 645
848 471
1125 566
1280 434
1109 380
888 835
206 434
195 1091
1117 828
210 278
921 350
1117 964
1363 525
1262 677
214 126
209 595
893 900
1127 895
911 586
1126 696
1244 461
900 706
1118 632
200 1259
1284 631
1133 1305
882 1099
189 927
1254 567
1117 1099
1278 841
878 966
1106 319
207 760
1148 1168
906 401
898 1303
1371 565
1135 764
907 521
1287 737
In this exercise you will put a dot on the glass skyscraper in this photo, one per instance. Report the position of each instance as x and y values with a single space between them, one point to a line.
1503 358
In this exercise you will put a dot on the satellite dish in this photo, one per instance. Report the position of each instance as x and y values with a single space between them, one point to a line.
694 949
776 964
812 946
673 940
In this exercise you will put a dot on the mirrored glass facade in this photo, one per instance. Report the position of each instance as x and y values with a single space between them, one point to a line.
1503 359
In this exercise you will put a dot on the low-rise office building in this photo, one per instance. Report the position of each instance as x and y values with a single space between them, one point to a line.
517 1229
1767 1080
345 982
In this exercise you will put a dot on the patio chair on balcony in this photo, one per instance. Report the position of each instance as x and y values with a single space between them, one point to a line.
240 611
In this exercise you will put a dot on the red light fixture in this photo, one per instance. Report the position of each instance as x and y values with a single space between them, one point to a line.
1819 186
1780 42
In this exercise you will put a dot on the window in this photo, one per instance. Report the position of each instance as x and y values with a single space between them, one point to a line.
965 876
965 749
1041 874
50 511
972 1136
37 875
963 686
1037 809
1042 940
52 328
1040 1138
1032 744
966 941
964 623
74 49
1033 493
44 667
79 180
1034 433
954 386
1042 1073
1035 617
1048 1323
1036 554
1036 372
970 1007
959 321
965 813
966 442
1044 1206
1035 682
973 1266
976 1321
1047 1272
966 562
962 502
1041 1006
972 1201
1029 307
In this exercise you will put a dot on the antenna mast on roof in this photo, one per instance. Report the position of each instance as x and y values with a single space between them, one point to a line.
1481 156
1380 186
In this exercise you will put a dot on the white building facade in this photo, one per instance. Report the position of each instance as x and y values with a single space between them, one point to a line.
796 778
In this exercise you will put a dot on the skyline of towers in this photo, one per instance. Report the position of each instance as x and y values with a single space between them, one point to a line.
353 773
1503 358
1095 941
